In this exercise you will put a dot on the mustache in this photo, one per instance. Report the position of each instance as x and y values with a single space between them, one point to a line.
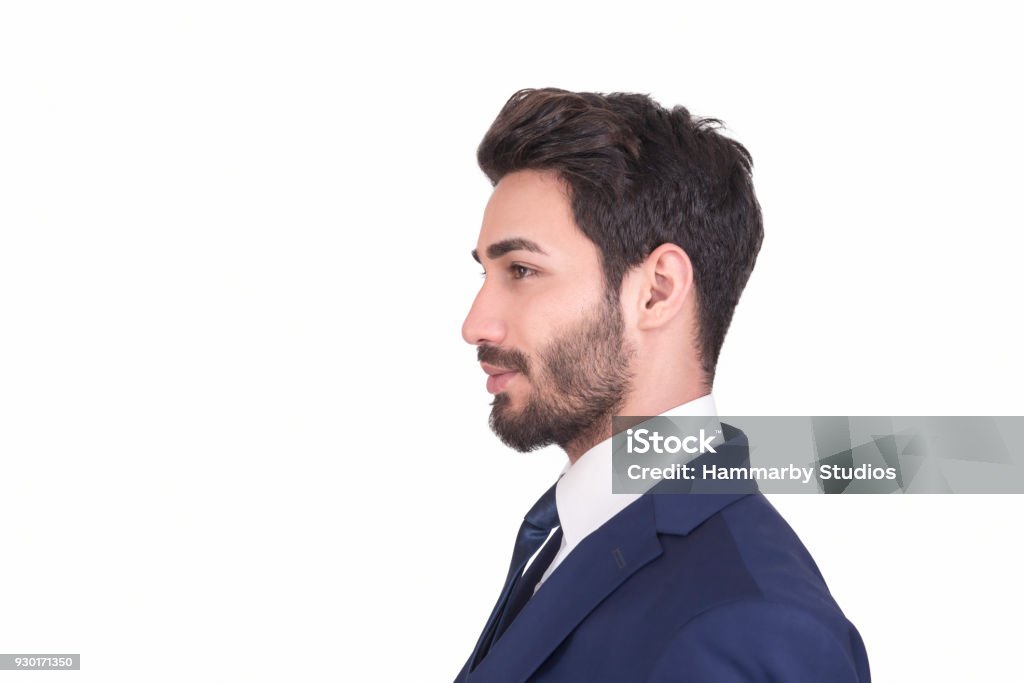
505 358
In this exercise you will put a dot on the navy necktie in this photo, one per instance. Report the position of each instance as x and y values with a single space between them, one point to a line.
538 523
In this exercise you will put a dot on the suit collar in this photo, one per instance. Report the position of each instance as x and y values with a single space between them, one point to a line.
680 507
584 492
681 514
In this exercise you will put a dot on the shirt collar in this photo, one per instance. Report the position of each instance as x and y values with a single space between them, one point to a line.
584 492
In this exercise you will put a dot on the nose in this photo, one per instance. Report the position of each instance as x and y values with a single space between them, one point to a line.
484 324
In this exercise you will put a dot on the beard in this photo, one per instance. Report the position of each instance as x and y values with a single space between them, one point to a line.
578 382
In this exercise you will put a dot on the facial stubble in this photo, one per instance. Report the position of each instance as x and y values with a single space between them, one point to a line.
577 383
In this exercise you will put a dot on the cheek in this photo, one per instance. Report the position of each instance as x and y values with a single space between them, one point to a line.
630 298
535 320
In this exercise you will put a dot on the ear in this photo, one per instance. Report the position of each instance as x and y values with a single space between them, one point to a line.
665 281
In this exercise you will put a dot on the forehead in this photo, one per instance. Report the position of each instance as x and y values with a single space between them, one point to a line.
535 206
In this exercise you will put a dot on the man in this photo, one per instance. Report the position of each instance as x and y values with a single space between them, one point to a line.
615 246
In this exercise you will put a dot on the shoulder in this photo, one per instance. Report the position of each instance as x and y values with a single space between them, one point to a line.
745 547
765 607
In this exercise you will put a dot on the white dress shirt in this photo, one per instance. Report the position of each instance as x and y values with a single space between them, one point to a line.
584 495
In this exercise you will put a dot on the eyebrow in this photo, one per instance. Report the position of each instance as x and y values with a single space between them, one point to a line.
499 249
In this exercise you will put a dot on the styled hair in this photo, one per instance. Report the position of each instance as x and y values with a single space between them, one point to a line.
640 176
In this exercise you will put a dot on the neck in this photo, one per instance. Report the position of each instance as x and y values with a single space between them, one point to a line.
639 406
597 432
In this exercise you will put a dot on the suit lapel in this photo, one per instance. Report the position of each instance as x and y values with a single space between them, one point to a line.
595 568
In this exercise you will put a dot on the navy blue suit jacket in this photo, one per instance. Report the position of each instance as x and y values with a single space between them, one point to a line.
688 587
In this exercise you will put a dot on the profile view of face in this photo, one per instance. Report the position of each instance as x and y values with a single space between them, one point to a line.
548 333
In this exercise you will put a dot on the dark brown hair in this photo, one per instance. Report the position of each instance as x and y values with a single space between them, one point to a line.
640 175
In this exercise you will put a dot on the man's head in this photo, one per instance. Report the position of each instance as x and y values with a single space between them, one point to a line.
615 245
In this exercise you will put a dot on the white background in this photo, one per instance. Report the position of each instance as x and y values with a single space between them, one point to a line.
240 435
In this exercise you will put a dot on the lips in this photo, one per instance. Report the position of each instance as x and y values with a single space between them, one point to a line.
498 377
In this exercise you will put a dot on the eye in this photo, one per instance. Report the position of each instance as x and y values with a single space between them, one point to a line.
519 272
